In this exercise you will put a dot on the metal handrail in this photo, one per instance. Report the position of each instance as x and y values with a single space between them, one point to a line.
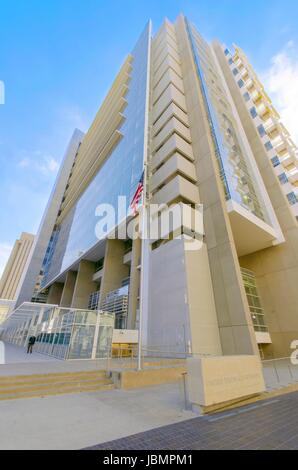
277 359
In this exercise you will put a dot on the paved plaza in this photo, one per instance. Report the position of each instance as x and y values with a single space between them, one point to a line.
151 418
268 425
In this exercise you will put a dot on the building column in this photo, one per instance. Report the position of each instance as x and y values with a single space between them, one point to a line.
134 285
84 285
68 289
55 293
114 269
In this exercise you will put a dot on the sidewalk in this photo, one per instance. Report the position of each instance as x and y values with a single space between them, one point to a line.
16 355
72 422
269 425
18 362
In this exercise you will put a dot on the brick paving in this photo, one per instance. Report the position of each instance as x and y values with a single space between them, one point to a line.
267 425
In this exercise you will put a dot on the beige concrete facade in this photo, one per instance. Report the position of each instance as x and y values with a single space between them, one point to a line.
220 380
15 267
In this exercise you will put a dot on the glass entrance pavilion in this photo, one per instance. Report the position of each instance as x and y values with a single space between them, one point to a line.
60 332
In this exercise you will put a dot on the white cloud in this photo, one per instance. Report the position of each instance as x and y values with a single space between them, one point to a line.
24 163
53 165
42 163
47 164
281 83
5 251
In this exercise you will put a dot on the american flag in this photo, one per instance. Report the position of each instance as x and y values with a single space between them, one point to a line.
138 194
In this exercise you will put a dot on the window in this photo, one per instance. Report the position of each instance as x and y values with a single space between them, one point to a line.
268 146
261 130
253 112
246 96
283 178
235 72
275 161
99 265
292 198
241 83
93 301
227 52
231 61
127 246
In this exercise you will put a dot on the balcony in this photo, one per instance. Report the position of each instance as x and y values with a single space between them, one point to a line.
249 83
288 160
270 125
279 144
293 175
250 233
262 109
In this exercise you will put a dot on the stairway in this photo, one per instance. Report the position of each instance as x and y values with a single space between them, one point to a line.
42 385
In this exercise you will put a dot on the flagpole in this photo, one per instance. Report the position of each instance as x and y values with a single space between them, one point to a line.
144 211
142 297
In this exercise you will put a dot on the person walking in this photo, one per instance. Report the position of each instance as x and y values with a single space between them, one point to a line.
31 343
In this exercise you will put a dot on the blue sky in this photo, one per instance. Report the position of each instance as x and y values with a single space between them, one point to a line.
59 57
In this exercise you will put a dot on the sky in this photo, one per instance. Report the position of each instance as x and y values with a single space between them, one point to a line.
58 59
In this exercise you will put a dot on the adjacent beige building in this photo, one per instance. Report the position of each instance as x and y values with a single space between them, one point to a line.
194 116
15 266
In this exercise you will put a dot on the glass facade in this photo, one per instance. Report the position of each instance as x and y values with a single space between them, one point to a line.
234 164
116 303
254 301
67 333
118 176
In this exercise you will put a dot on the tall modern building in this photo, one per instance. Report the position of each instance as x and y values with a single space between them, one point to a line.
196 117
15 267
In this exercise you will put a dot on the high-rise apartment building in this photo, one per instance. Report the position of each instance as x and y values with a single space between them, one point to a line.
15 267
280 148
196 117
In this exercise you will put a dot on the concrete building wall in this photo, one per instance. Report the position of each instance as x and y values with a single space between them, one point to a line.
15 267
168 322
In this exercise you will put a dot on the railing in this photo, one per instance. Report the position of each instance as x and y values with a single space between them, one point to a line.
127 358
280 372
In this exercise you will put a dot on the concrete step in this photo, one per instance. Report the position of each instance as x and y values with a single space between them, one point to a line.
52 375
70 391
50 378
26 386
49 386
